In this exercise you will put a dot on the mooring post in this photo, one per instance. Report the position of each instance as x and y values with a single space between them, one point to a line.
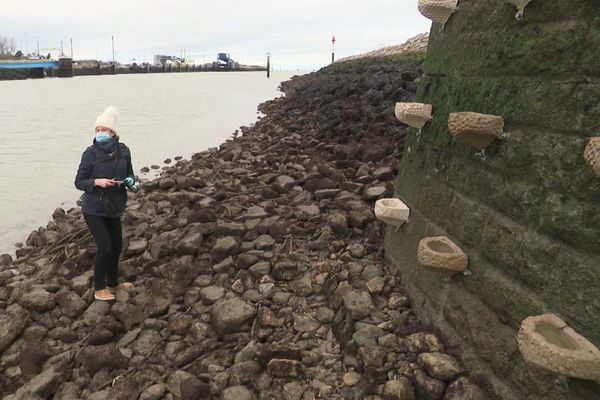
268 65
333 49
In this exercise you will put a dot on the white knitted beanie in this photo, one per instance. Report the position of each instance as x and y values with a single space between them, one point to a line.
108 119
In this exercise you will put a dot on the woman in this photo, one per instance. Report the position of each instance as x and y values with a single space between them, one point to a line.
104 174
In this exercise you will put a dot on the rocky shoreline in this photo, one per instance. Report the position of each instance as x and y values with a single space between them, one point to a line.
259 270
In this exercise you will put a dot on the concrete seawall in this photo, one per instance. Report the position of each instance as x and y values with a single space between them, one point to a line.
527 214
19 74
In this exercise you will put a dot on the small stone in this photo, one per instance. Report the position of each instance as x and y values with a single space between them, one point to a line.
230 315
464 389
373 193
357 250
190 244
136 247
237 393
225 246
284 368
154 392
256 212
338 223
261 268
383 173
428 388
351 378
211 294
59 214
186 386
358 303
375 285
281 298
325 315
326 194
264 242
293 390
440 366
423 342
5 259
305 323
400 389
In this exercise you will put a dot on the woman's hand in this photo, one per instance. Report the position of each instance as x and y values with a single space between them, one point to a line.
104 183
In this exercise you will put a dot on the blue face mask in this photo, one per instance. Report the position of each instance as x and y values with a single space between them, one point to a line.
102 136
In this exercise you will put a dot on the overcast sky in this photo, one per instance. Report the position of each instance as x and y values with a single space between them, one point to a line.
296 32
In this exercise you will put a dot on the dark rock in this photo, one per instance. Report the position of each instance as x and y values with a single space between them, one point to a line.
186 386
243 373
166 183
230 315
284 368
230 229
238 393
312 185
38 300
360 218
124 389
95 358
99 336
358 303
12 323
440 366
203 216
246 260
128 314
5 259
428 388
211 294
71 304
464 389
383 173
136 247
59 214
400 389
225 246
190 244
338 223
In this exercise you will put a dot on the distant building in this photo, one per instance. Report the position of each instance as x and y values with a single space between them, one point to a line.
160 59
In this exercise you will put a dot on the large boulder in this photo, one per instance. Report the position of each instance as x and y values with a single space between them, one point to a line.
44 385
38 300
95 358
71 304
12 323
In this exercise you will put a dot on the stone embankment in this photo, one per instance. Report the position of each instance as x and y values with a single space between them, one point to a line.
413 46
258 271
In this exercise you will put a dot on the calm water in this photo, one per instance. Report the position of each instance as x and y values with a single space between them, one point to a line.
46 124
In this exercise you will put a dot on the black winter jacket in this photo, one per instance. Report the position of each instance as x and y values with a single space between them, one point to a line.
97 163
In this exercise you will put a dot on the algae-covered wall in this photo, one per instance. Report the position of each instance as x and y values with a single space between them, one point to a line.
528 215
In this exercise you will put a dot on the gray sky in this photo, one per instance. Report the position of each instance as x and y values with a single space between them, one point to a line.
297 33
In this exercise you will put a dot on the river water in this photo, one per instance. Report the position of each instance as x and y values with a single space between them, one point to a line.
46 124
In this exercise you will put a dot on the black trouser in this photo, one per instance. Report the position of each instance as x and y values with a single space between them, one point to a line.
108 236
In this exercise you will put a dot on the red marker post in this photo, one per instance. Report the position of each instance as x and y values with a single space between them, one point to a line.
333 49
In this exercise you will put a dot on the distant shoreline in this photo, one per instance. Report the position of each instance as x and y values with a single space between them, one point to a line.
22 74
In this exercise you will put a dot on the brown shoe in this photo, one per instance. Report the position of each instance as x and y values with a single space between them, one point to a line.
104 295
124 285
